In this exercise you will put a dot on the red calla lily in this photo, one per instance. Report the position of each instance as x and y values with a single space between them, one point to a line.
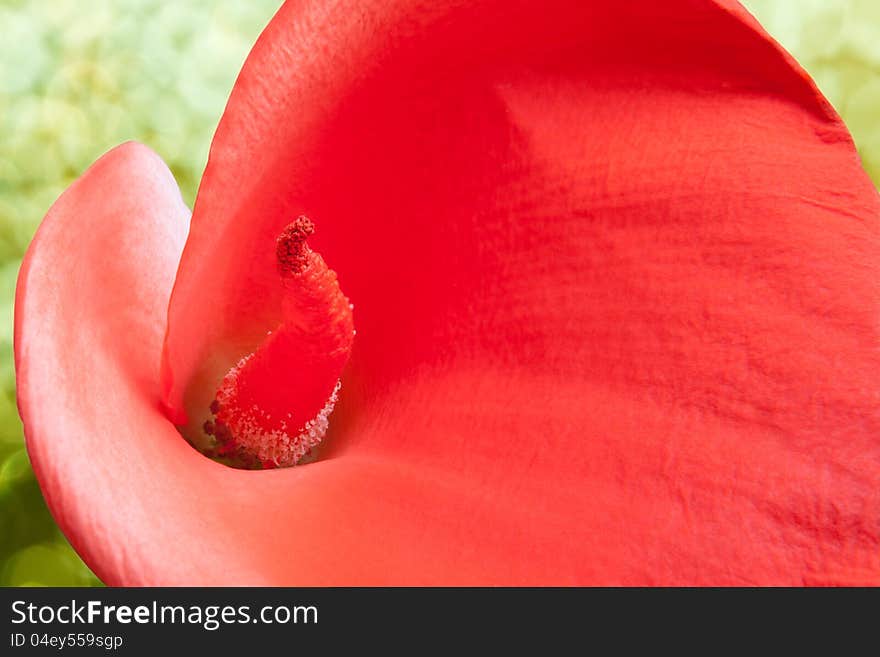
616 275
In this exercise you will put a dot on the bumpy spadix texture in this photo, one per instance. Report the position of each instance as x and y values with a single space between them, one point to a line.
617 274
273 407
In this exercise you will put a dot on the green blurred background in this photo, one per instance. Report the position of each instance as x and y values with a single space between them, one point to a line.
78 77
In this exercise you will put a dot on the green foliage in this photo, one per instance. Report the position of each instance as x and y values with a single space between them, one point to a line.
78 77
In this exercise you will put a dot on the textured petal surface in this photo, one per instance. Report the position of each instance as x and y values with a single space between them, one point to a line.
616 272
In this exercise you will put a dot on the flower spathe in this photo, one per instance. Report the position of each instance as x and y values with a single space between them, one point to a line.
617 274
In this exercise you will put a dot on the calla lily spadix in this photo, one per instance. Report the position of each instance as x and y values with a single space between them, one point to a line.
615 270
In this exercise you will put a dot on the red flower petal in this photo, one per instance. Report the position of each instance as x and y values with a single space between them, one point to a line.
617 275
